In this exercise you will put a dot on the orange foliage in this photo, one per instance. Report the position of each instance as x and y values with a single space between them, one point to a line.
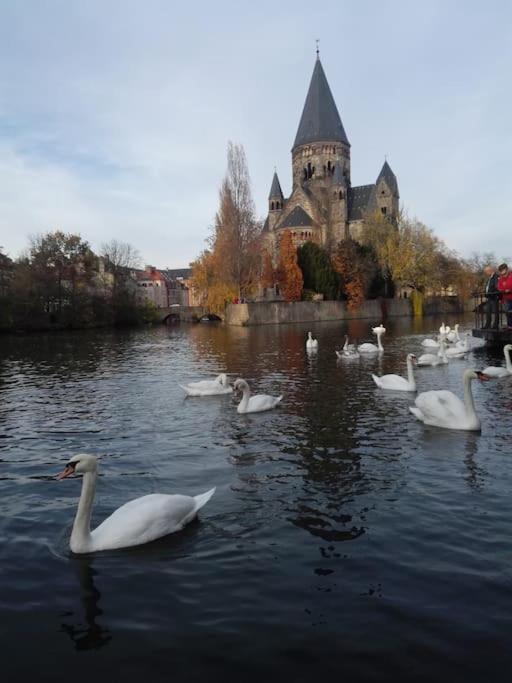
347 262
268 276
289 274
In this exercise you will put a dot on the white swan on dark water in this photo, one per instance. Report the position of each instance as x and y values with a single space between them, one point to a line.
499 371
208 387
445 409
254 404
396 382
139 521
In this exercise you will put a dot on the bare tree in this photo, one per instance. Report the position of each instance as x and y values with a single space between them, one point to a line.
120 258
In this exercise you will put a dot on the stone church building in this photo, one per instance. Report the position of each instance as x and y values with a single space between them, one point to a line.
323 206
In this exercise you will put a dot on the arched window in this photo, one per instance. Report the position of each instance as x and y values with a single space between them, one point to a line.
271 206
340 195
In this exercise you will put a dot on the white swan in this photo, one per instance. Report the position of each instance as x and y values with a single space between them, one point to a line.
434 359
496 371
348 348
372 348
208 387
254 404
444 409
430 344
459 350
444 329
396 382
311 344
139 521
453 335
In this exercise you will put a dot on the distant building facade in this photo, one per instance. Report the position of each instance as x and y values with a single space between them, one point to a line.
152 287
323 206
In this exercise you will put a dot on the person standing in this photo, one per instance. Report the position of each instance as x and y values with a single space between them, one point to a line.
505 289
492 305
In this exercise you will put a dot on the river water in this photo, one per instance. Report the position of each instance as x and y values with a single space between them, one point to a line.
344 538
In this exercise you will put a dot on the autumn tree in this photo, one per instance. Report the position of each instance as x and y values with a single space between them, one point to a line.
232 261
268 275
355 269
288 273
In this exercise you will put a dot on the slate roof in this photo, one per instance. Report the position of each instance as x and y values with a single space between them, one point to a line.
297 219
359 198
275 190
172 274
387 174
320 119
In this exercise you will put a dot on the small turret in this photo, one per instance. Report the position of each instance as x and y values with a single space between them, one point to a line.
386 192
275 202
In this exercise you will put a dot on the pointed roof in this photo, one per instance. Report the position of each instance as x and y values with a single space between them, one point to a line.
275 190
297 219
389 177
320 120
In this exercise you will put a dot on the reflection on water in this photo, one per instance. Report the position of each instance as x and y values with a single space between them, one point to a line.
267 568
86 632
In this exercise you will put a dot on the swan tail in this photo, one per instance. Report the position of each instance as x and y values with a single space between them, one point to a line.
376 380
416 412
187 391
203 498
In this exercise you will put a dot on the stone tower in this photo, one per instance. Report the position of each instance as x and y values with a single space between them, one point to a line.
323 206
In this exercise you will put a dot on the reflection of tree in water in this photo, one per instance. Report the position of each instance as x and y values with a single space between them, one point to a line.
87 635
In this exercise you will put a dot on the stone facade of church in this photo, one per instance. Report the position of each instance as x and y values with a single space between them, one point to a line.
323 206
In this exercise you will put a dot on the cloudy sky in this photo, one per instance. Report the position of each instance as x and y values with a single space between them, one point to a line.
115 114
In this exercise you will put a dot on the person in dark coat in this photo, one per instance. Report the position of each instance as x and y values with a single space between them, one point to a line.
492 305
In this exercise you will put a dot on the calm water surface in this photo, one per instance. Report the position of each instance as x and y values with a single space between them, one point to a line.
345 538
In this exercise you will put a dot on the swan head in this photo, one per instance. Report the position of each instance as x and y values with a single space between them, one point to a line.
241 385
411 357
380 329
476 374
310 336
79 464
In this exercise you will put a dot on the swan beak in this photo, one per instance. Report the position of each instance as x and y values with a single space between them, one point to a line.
482 377
66 472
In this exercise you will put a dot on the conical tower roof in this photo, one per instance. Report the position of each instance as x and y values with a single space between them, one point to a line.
387 174
320 120
275 190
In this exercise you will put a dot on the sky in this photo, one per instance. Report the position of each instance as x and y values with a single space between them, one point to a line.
115 115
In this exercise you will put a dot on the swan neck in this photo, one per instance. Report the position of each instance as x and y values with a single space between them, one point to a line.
246 393
410 372
379 344
469 401
81 533
508 360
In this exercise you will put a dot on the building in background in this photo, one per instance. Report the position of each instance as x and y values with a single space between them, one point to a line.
323 206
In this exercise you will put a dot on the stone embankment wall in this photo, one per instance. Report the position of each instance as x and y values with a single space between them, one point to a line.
277 312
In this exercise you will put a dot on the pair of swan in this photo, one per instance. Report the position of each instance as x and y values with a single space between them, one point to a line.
445 409
500 371
373 348
311 344
139 521
208 387
396 382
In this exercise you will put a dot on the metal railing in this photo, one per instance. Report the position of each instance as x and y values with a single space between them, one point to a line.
481 304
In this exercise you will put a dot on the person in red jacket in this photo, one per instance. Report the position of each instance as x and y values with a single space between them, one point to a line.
505 289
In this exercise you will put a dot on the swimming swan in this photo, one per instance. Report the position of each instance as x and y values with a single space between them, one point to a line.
434 359
396 382
496 371
254 404
139 521
372 348
444 409
208 387
311 344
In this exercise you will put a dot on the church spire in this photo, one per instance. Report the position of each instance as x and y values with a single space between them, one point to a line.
320 120
275 189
